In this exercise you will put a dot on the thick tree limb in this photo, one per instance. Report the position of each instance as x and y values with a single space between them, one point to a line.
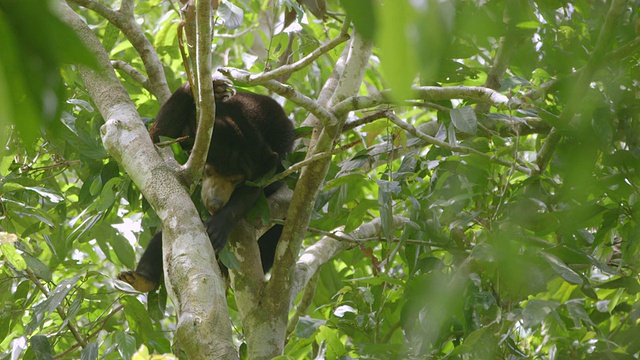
203 93
203 320
299 213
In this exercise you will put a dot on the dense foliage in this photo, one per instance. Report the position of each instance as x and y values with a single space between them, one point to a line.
520 235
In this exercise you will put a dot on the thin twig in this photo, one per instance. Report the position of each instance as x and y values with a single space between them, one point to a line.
64 164
461 149
299 165
103 323
302 63
132 72
59 309
171 142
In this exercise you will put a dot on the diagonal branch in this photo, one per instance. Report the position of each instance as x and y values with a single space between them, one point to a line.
286 91
302 63
204 327
328 247
461 149
124 20
580 87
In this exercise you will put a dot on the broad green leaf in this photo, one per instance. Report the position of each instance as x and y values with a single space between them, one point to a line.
536 311
397 53
41 347
363 16
90 352
138 319
126 344
465 120
562 269
41 270
10 253
231 14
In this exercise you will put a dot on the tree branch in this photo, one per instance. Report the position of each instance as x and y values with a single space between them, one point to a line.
581 86
124 20
133 73
461 149
426 93
203 326
328 247
285 91
302 63
299 165
192 169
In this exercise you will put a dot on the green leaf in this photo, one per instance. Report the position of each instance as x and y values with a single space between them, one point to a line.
397 55
108 194
231 14
126 344
41 348
307 326
361 12
11 254
562 269
41 270
465 120
55 298
46 194
331 338
228 259
536 311
110 37
90 352
138 319
123 249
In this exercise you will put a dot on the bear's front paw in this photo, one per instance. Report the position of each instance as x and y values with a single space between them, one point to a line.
138 281
218 232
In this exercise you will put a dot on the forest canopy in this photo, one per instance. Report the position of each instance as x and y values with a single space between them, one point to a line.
464 182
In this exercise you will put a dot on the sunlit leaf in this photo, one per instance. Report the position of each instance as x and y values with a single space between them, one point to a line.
231 14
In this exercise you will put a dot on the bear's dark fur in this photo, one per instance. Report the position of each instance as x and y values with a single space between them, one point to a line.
251 136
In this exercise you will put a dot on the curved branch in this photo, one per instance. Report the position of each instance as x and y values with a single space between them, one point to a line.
124 20
286 91
328 247
461 149
426 93
192 169
302 63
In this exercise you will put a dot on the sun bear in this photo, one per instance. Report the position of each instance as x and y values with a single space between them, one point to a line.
251 136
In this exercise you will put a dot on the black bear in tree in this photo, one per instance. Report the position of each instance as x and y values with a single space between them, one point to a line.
251 137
